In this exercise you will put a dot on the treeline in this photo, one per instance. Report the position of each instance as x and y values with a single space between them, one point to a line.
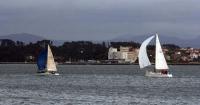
11 51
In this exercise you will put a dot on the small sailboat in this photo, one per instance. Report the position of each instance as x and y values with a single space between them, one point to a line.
161 67
46 64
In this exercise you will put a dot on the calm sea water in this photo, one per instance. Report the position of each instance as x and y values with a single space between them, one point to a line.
98 85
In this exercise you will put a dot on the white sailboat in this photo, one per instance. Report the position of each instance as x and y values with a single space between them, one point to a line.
161 67
46 63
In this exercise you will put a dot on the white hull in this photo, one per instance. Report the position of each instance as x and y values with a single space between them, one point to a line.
48 73
154 74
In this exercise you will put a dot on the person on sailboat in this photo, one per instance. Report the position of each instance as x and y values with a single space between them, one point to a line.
53 72
164 71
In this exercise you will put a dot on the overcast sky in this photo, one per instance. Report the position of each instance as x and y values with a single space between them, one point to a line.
100 19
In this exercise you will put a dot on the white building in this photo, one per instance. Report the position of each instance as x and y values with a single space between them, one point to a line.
194 55
124 54
112 53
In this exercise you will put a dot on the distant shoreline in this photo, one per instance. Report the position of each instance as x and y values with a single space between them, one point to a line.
79 63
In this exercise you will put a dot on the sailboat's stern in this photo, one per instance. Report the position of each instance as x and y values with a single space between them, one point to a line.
157 74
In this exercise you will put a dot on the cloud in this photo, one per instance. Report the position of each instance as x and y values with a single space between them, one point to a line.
95 19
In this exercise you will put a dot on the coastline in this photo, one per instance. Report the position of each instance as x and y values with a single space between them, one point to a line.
80 63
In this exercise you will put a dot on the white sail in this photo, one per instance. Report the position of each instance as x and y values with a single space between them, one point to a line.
143 58
160 62
51 66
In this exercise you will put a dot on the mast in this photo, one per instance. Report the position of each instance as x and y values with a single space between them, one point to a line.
160 62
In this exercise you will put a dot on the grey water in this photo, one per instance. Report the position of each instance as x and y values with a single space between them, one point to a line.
98 85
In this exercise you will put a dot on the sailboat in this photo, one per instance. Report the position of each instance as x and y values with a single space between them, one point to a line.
161 67
46 64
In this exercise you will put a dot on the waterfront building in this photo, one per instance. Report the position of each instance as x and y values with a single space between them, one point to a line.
112 53
125 54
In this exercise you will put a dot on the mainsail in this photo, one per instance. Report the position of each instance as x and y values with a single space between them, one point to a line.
51 66
42 59
143 58
160 62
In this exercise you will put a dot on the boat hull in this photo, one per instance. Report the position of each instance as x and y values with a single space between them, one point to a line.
157 74
48 73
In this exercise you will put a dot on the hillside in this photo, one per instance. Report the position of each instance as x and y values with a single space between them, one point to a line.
24 37
163 38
